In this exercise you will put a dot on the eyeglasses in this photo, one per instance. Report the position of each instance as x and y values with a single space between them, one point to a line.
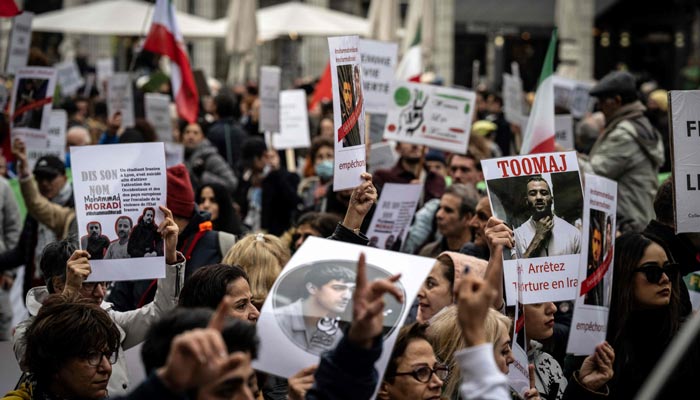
653 271
94 358
424 374
91 286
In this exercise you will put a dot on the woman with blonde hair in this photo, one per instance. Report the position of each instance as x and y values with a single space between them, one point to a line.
446 340
262 256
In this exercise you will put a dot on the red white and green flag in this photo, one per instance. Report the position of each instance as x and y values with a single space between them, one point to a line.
539 133
165 38
411 66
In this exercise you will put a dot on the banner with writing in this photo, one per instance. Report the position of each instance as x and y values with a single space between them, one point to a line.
20 39
378 65
513 98
685 143
30 105
120 98
69 78
293 121
104 69
118 190
348 112
55 142
393 215
539 196
270 98
564 131
590 319
157 109
435 116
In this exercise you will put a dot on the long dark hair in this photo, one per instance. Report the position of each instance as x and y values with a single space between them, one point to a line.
629 250
226 221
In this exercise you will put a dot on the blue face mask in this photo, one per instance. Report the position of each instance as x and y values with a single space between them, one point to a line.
324 169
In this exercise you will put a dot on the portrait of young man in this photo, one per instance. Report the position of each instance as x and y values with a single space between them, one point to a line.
314 322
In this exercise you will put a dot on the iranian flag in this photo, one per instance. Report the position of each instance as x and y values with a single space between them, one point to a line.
539 133
8 8
165 38
411 66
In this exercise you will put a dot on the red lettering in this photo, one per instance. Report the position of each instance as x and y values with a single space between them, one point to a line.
563 161
502 165
553 164
527 166
515 167
540 165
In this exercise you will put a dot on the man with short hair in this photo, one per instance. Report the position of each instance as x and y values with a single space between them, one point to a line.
465 168
629 151
118 248
145 240
453 217
408 170
95 242
226 132
479 247
313 322
544 234
595 260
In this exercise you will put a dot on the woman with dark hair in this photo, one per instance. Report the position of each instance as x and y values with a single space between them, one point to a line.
71 347
313 188
645 316
216 200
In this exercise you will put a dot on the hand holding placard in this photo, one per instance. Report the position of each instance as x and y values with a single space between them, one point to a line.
169 230
368 305
597 369
77 271
361 201
19 150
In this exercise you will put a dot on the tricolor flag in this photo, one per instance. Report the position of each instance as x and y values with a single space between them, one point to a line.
539 134
165 38
411 66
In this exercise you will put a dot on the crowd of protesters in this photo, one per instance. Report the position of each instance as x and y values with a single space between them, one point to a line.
236 213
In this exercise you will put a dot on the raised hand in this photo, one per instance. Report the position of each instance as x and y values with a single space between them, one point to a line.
169 230
474 297
19 150
498 235
597 369
300 383
368 305
77 271
361 201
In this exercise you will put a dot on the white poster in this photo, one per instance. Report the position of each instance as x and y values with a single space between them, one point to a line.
120 97
118 190
512 98
572 95
435 116
157 109
174 154
381 156
693 283
54 144
539 196
30 106
378 65
685 142
293 121
286 327
393 215
69 79
348 112
564 131
20 39
590 319
104 69
269 98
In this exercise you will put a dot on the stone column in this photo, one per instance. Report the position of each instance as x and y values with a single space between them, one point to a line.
575 19
443 52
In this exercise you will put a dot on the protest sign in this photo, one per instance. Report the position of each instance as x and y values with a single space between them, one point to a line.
89 84
282 323
293 121
381 156
55 142
435 116
120 98
692 281
174 154
20 39
376 127
590 319
270 98
378 65
564 131
157 110
539 192
348 112
117 190
30 106
68 76
685 143
104 68
572 95
512 98
393 215
4 94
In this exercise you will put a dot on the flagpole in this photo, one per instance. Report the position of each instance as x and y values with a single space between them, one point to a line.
143 34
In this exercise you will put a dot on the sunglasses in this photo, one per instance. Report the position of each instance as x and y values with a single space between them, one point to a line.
424 374
653 271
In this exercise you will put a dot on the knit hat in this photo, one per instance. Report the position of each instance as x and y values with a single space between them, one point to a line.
180 192
435 155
